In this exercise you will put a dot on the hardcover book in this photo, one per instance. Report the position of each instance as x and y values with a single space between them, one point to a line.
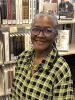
1 49
65 9
13 11
62 42
6 46
25 10
8 75
50 7
4 12
9 11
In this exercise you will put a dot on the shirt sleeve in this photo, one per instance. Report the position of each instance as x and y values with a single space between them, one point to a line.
63 90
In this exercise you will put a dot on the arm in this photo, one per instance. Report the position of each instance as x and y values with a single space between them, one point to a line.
63 90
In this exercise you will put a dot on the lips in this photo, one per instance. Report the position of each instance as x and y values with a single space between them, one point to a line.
40 42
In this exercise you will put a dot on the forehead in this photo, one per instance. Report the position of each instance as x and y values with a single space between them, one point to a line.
43 21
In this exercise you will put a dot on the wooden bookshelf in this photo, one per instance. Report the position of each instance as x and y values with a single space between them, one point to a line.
69 52
66 21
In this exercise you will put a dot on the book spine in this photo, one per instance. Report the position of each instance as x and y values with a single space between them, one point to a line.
17 12
63 40
20 10
30 11
8 78
34 8
9 11
13 11
0 12
25 10
41 2
28 44
1 48
6 46
4 11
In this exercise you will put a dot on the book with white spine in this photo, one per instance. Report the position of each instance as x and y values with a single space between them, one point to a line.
28 44
8 75
20 11
6 46
34 8
30 11
17 12
41 2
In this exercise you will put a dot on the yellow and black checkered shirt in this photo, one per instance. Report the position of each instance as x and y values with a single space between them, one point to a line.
52 81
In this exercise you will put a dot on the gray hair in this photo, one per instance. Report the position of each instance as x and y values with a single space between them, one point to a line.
50 15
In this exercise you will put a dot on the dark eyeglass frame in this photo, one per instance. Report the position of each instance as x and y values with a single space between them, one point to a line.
46 30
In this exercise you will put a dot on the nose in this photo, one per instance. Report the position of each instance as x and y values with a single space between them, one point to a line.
41 33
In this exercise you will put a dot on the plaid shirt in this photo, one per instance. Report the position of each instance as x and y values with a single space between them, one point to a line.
52 81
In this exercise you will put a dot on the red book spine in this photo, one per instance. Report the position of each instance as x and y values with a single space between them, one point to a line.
8 9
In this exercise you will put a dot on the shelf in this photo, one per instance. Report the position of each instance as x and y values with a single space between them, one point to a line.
9 62
70 52
16 25
66 21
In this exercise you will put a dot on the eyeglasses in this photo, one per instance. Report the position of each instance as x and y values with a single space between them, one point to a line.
47 31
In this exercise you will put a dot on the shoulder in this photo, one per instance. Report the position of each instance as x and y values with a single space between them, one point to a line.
62 64
24 54
61 71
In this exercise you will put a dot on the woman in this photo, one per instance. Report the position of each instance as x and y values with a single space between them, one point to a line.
41 74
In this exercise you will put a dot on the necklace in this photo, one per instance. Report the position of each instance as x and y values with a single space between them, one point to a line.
33 66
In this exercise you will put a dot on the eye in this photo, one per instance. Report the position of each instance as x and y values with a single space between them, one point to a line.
34 29
49 30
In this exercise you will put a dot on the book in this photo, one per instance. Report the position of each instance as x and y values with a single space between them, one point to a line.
28 43
17 41
1 83
41 2
20 11
62 42
0 14
8 75
1 49
4 11
9 18
65 9
50 7
13 11
6 46
25 10
73 35
17 11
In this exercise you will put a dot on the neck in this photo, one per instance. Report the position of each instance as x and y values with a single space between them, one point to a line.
40 55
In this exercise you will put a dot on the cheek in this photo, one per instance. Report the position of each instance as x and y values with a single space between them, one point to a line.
51 39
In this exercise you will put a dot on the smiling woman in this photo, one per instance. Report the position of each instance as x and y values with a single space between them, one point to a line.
41 74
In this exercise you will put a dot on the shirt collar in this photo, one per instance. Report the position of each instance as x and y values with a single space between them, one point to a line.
48 61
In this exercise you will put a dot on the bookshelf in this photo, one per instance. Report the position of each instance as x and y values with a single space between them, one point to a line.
72 21
70 52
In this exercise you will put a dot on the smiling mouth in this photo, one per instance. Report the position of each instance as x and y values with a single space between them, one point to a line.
40 42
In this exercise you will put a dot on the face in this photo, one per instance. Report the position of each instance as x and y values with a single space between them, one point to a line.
42 33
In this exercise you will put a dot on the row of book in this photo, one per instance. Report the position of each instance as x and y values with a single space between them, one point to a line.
62 9
18 11
14 43
23 11
7 73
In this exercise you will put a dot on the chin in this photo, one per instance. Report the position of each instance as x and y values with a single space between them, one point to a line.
40 48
